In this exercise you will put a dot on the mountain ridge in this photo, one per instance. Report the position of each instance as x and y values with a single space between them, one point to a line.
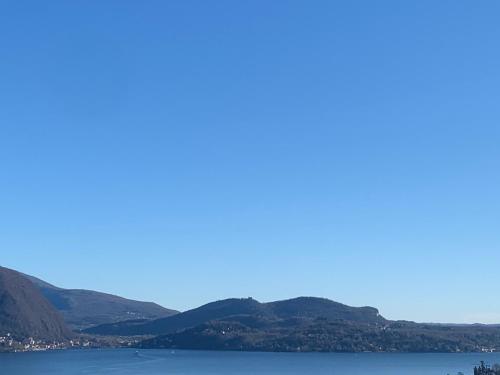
310 307
82 308
308 324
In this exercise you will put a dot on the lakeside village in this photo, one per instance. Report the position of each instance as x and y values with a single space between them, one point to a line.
9 343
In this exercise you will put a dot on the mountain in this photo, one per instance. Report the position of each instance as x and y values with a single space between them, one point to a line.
86 308
301 324
25 312
303 307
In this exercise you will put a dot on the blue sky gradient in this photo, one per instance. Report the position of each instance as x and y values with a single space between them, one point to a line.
186 151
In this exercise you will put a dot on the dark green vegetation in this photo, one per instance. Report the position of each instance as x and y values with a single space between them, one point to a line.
302 334
305 307
302 324
305 324
484 369
86 308
25 312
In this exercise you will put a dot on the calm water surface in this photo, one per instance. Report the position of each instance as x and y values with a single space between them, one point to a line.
152 362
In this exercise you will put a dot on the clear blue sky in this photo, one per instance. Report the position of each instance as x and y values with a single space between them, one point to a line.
186 151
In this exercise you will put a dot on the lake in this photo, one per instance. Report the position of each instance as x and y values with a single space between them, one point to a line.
164 362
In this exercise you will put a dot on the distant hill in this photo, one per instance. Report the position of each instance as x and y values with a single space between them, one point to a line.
25 312
301 324
304 307
86 308
323 335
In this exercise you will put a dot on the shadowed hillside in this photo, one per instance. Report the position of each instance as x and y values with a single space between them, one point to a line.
321 335
25 312
86 308
304 307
